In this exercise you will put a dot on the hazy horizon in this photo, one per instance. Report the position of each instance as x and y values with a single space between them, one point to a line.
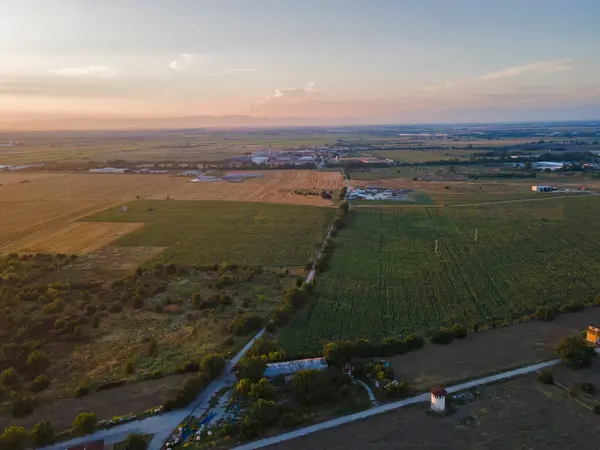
327 61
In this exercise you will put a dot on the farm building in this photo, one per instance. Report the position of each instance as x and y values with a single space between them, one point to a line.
289 367
543 188
108 170
191 173
438 399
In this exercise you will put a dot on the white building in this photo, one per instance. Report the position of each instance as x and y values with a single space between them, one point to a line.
438 399
289 367
542 188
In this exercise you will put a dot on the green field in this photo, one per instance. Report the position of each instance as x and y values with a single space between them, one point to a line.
208 232
386 279
422 156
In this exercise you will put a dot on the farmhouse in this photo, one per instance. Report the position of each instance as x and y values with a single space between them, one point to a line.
289 367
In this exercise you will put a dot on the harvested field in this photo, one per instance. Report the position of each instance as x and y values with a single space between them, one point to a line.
518 414
42 206
77 237
277 186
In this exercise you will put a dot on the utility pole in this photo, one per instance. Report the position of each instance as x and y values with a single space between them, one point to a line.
475 234
436 246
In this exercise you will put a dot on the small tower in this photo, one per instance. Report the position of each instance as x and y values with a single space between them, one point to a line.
438 399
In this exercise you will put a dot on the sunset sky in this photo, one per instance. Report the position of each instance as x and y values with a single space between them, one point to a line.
377 59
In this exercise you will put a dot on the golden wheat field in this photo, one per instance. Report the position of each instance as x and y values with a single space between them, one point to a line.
38 212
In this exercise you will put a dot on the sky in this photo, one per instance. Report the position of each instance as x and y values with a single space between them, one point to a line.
377 60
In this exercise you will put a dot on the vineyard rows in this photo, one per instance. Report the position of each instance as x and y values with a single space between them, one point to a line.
386 279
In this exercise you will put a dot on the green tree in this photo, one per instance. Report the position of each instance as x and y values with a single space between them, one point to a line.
136 442
212 365
575 352
253 368
13 438
84 423
43 434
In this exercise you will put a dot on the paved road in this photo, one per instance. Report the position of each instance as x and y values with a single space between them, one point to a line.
391 406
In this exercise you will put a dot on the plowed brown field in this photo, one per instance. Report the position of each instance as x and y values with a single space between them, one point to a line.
38 211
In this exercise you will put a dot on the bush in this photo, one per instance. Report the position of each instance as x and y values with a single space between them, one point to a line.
546 377
82 390
414 342
289 420
187 393
588 388
245 323
43 434
252 368
296 297
545 313
596 409
13 438
459 331
226 300
571 307
84 423
9 377
110 385
38 361
271 327
265 412
443 336
189 367
282 314
40 383
136 442
396 389
575 352
137 302
212 365
128 367
22 407
224 280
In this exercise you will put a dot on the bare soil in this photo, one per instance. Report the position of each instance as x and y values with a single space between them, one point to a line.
490 351
517 414
129 398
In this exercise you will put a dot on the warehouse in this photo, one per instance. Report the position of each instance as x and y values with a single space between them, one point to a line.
543 188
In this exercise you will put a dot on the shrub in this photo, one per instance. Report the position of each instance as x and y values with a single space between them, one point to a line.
245 323
38 361
596 409
189 367
546 377
252 368
84 423
43 434
128 367
137 302
196 301
396 389
90 310
289 420
588 388
414 342
212 365
151 347
225 300
282 314
299 282
136 442
571 307
22 407
13 438
443 336
271 327
224 280
40 383
575 352
296 297
545 313
265 412
459 331
82 390
110 385
188 392
9 377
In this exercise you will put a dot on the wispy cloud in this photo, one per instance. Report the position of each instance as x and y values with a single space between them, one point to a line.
183 62
89 71
294 94
234 71
534 67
